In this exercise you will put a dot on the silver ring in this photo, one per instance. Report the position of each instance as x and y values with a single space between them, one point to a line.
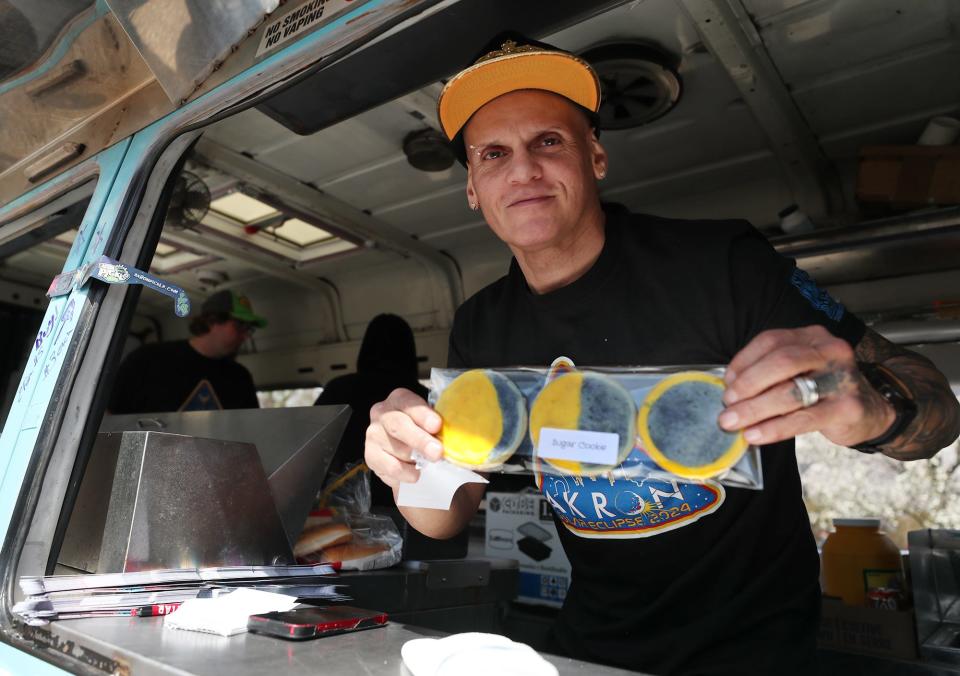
809 390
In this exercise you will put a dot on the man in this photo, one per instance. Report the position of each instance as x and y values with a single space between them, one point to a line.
195 374
734 588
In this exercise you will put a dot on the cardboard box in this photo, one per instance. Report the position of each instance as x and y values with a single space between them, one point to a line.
870 631
904 177
520 526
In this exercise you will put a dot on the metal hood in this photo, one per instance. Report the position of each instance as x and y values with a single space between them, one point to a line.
183 41
917 243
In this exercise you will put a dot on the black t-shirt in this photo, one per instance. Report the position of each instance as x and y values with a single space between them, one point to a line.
161 377
362 390
715 580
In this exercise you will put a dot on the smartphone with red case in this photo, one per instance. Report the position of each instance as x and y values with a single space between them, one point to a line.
315 621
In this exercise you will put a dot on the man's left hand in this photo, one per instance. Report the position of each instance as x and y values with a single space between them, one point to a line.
763 399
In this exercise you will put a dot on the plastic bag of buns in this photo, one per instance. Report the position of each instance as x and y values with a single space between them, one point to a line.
577 423
342 531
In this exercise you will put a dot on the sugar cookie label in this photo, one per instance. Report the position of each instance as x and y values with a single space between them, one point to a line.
594 447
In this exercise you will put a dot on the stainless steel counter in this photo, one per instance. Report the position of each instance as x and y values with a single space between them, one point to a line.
146 647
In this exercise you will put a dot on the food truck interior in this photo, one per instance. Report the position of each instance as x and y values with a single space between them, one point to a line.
336 199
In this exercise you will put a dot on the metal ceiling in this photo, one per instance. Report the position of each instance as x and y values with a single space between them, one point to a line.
836 75
857 72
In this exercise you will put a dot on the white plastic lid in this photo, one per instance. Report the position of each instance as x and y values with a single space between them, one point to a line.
473 654
863 522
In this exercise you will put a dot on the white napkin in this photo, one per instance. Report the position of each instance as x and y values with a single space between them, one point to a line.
226 615
438 482
473 654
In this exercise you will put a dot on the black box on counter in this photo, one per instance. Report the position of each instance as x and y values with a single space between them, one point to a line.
870 631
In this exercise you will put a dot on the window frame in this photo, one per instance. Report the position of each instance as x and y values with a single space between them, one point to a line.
129 229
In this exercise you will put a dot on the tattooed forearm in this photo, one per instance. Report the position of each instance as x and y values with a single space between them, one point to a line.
875 349
842 378
937 423
835 379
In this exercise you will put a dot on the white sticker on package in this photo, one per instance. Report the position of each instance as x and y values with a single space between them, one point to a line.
580 446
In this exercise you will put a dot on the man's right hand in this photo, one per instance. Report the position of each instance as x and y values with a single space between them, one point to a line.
402 424
399 425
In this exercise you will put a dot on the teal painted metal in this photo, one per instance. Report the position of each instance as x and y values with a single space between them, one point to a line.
15 662
305 45
118 165
36 385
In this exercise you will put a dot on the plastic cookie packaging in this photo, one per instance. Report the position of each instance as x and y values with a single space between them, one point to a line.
342 530
619 423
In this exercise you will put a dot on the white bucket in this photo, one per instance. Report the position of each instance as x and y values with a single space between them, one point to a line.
940 131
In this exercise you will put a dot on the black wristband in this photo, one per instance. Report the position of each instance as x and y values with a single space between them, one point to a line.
888 387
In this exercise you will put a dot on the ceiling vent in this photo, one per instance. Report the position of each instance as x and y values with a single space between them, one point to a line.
428 150
211 278
639 83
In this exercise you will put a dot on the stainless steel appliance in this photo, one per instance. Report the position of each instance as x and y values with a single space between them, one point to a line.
204 488
935 570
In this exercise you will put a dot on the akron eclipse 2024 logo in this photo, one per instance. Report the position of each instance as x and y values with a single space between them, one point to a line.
598 507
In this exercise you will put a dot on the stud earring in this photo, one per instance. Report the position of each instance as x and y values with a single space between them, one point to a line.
474 206
603 174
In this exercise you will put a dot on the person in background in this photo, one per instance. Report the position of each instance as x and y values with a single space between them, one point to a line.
196 374
387 360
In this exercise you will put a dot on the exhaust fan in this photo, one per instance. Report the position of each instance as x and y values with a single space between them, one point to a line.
639 83
189 201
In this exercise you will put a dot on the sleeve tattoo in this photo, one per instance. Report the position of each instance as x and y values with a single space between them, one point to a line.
937 423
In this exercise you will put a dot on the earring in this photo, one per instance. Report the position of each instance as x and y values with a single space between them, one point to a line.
602 174
474 206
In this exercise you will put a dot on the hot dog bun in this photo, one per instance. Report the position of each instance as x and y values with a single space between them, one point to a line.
321 537
352 555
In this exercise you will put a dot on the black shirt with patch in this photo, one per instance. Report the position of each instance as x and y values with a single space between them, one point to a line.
160 377
735 591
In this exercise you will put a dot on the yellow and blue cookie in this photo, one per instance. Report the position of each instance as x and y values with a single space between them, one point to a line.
484 419
589 402
678 426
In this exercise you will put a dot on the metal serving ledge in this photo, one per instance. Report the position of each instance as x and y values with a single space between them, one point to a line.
422 598
144 646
